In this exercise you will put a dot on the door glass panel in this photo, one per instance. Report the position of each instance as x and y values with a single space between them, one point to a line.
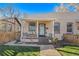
41 32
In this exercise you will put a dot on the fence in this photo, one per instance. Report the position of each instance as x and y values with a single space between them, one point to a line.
8 36
71 38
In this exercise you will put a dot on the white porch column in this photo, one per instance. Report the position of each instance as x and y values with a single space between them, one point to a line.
53 29
37 28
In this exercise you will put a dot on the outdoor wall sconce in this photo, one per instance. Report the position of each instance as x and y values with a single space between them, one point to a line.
46 27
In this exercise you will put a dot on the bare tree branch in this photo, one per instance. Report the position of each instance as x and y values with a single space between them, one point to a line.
10 12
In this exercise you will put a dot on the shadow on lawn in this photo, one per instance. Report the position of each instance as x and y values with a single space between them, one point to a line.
68 52
74 48
18 50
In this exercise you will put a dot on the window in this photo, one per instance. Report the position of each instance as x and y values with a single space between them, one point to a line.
32 26
69 27
5 27
56 27
9 27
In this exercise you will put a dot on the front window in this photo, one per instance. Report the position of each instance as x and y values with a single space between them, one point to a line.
2 27
56 27
69 27
5 27
8 27
32 27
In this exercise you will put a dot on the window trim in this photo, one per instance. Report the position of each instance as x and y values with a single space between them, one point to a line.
70 23
32 25
57 24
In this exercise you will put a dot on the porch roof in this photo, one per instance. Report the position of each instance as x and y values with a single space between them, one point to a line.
38 19
53 16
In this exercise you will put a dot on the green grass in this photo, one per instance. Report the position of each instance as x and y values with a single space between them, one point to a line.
6 50
69 50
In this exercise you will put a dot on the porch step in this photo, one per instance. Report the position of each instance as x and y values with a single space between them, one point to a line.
43 40
29 40
29 36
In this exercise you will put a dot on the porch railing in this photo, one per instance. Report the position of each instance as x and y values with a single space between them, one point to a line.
71 38
29 35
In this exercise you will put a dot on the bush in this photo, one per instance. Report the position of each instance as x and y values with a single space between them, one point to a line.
55 40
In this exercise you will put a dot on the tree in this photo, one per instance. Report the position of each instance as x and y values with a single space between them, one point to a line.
10 12
13 13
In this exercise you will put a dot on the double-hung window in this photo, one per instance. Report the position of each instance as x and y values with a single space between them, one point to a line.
69 27
56 27
32 27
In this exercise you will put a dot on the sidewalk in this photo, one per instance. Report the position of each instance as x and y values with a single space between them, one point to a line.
48 50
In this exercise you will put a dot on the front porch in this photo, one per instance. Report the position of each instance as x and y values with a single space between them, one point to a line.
39 31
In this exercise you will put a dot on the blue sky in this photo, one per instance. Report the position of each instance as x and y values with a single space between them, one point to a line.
36 8
32 8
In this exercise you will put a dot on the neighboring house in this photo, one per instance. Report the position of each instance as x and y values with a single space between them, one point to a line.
9 25
9 30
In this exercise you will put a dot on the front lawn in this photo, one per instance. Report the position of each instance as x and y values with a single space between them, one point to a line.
69 50
6 50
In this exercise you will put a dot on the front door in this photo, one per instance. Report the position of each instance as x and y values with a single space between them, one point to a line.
42 30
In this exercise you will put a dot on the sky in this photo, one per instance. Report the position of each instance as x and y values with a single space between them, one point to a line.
33 8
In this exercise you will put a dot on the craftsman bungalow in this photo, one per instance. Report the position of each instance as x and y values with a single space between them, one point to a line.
53 24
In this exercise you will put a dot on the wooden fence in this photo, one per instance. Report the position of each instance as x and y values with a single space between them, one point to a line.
71 38
8 36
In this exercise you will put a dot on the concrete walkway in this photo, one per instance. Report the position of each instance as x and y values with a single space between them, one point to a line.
45 50
21 44
48 50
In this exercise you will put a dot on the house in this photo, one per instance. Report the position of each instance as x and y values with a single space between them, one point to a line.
53 24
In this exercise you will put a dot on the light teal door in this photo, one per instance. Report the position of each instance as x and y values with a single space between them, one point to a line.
41 29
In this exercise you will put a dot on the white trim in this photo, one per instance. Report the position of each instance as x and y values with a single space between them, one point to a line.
53 29
37 28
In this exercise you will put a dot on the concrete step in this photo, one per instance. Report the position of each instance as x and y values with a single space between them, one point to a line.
29 37
43 40
29 40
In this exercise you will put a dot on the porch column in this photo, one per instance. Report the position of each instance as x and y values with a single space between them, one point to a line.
37 28
53 29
